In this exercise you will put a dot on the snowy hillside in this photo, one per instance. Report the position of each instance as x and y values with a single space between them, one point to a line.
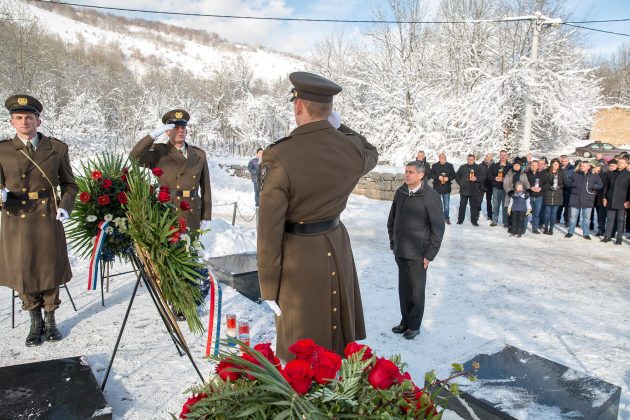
140 44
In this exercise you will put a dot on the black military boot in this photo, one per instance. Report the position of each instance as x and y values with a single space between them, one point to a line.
52 333
34 337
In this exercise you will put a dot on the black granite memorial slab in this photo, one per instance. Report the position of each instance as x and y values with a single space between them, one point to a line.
59 389
238 271
515 384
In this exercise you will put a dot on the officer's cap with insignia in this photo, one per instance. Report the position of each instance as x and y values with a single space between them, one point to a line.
179 117
311 87
26 103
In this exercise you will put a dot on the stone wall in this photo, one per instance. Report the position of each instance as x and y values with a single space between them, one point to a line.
612 125
377 185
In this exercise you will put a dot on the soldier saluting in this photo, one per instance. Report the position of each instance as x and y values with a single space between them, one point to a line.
185 168
33 252
305 261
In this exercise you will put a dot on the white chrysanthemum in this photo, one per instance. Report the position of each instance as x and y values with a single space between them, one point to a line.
109 230
91 218
108 217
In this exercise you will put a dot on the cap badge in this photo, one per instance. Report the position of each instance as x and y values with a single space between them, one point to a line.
179 115
22 101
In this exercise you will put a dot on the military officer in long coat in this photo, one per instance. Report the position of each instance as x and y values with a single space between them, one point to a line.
185 168
33 252
305 261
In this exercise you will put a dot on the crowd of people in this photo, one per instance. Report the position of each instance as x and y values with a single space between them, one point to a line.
592 194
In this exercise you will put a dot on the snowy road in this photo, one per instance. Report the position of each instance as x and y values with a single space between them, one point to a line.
566 300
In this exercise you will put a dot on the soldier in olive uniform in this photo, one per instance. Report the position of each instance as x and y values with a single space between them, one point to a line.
33 252
185 168
305 261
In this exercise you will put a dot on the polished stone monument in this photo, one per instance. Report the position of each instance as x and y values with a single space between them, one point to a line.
58 389
515 384
238 271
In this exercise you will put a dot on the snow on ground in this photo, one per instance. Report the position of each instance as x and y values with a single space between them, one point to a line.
563 299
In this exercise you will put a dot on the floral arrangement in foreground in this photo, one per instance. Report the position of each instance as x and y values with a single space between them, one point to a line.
317 384
102 195
167 247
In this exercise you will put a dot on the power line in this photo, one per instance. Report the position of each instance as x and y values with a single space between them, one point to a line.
373 21
596 30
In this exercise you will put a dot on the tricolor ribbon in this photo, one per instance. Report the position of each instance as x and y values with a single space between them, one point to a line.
96 255
214 317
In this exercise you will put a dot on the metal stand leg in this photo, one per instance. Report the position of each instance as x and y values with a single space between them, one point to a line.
102 269
13 296
70 296
167 322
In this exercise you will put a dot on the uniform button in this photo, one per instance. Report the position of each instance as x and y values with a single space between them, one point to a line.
43 214
334 327
179 198
23 175
43 201
192 198
23 216
23 202
177 187
334 309
334 274
23 189
330 254
194 176
334 292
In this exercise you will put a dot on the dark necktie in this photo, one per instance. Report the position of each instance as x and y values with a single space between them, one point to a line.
29 149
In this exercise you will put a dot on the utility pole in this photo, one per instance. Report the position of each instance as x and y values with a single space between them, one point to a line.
539 22
529 105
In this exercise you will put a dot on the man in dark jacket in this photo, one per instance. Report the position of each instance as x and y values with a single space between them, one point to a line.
487 183
498 171
421 158
583 184
252 167
442 173
469 177
537 184
617 199
568 169
415 228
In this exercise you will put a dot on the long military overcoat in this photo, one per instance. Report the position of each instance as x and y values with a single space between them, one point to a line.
181 175
33 250
312 277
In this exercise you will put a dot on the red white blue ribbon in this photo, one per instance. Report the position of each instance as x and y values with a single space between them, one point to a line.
214 317
96 255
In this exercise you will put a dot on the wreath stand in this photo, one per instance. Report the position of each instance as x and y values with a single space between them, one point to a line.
145 273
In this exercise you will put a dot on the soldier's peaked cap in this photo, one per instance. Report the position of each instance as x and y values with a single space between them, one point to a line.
27 103
312 87
177 117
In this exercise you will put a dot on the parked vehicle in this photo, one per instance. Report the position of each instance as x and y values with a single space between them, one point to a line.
606 149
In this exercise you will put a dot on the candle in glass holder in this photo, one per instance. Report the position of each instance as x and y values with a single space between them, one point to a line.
471 174
230 320
243 333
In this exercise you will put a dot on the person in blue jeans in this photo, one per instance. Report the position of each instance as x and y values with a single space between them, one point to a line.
553 196
583 184
253 166
538 183
443 173
498 170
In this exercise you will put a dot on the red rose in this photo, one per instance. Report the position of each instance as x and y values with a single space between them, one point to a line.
184 206
125 171
265 350
299 375
189 403
174 236
96 175
305 349
165 188
123 178
326 366
182 225
164 197
103 200
122 198
227 370
423 404
107 184
250 359
157 172
85 197
355 347
384 374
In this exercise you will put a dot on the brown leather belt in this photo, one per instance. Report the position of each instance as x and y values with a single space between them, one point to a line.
33 195
311 228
